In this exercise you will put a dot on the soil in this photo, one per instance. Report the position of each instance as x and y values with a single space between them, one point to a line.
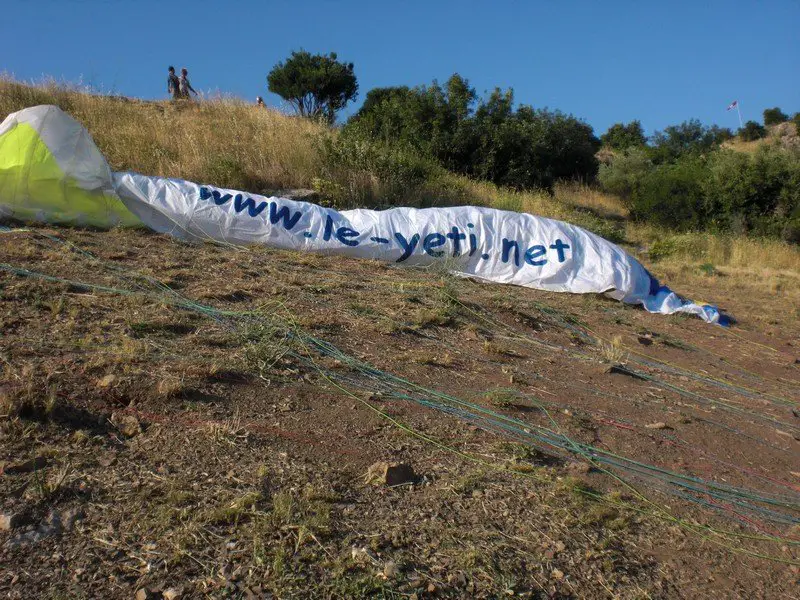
216 436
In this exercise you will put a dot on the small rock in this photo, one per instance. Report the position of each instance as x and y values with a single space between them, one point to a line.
10 521
128 425
390 474
34 464
145 594
106 381
557 574
560 546
173 594
390 569
362 555
645 340
659 425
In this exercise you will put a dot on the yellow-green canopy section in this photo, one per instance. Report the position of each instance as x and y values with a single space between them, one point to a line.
51 171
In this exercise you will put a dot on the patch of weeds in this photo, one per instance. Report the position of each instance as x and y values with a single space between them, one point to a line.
144 329
235 510
169 386
605 516
229 432
526 458
362 309
505 398
266 343
46 486
674 342
613 352
491 347
663 248
307 513
708 270
361 585
428 317
472 481
576 488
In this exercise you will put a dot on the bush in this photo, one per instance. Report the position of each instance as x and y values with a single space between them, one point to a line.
620 136
729 191
671 196
690 138
523 148
752 131
624 172
359 172
774 116
759 192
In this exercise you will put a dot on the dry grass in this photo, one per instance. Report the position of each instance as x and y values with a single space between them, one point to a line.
223 141
739 252
578 195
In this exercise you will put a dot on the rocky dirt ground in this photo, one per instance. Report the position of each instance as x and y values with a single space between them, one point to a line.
206 422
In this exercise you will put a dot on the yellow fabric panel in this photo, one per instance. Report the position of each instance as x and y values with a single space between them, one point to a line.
35 187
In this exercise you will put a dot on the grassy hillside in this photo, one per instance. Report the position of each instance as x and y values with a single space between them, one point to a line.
229 143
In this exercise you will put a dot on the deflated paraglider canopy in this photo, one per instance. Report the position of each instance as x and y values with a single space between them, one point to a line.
51 171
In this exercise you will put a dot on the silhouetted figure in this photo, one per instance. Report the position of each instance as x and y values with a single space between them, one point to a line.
260 101
185 86
173 84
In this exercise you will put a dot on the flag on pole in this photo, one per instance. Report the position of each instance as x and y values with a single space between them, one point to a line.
733 105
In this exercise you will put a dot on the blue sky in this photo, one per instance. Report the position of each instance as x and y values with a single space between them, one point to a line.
604 61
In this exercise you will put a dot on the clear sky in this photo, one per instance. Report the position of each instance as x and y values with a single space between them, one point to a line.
661 62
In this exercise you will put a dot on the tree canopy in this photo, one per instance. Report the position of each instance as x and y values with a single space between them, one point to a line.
621 136
773 116
316 85
489 139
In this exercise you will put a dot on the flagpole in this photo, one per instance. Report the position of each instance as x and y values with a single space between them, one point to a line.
741 126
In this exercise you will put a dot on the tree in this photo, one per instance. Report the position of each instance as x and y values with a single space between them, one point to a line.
689 138
316 85
426 118
620 136
752 131
773 116
520 148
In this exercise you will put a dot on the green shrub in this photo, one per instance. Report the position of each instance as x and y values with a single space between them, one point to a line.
624 172
690 138
671 196
621 136
359 172
758 193
521 149
774 116
752 131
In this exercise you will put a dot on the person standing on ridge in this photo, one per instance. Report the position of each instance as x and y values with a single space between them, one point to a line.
185 86
260 101
173 84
